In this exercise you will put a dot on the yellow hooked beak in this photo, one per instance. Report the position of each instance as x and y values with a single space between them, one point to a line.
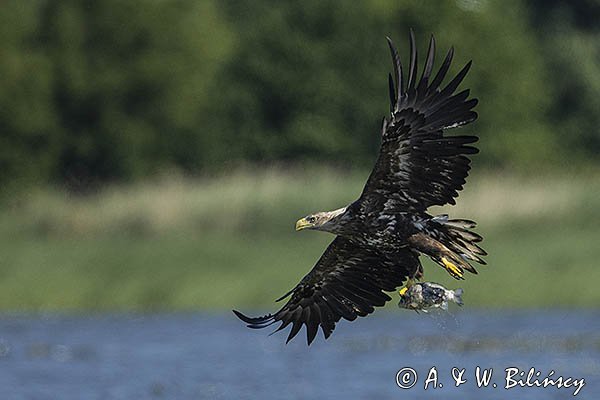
302 223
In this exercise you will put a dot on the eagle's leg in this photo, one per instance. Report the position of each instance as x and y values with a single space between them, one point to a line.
441 254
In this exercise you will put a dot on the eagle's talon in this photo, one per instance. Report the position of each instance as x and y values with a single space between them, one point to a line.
454 270
409 283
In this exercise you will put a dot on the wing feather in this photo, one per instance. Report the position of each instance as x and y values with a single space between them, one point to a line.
397 70
412 72
347 282
418 164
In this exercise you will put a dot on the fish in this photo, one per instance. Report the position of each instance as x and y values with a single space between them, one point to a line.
424 296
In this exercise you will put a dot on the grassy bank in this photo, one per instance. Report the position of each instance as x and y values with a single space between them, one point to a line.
226 242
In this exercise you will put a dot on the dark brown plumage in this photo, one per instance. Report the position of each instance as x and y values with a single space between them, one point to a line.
347 282
381 235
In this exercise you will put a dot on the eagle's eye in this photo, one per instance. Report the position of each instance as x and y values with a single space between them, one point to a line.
311 219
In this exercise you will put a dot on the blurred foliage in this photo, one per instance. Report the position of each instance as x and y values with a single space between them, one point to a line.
92 91
175 243
569 34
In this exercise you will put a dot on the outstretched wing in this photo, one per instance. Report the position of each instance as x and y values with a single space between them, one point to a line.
418 165
347 282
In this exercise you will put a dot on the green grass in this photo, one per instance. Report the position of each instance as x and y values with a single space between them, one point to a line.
228 242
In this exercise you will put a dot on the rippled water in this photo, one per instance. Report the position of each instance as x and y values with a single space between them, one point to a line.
200 356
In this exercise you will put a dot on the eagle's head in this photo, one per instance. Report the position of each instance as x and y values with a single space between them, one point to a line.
322 221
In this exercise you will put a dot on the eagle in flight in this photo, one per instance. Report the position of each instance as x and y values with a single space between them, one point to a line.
380 236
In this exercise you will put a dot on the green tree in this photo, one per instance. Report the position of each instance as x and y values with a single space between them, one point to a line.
112 90
310 80
569 35
107 89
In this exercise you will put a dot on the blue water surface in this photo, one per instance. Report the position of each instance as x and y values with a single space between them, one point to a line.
213 356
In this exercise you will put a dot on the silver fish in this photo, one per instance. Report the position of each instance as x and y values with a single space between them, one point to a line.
423 296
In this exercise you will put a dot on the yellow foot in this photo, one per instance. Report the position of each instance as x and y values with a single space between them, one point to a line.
454 270
409 283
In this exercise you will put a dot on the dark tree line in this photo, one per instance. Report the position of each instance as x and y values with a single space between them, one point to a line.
92 91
